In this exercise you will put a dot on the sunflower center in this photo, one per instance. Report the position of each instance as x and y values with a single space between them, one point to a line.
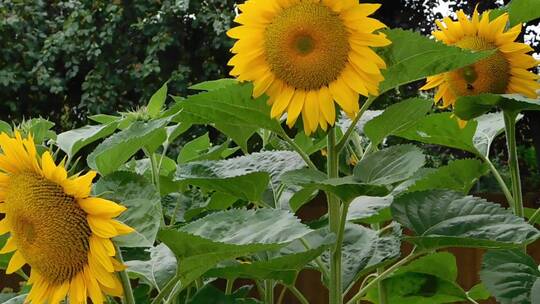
307 45
48 226
490 75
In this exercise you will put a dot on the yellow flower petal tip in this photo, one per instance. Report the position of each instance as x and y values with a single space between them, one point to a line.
52 220
308 56
506 71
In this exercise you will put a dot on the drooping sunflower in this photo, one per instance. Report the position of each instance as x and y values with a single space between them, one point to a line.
506 71
56 227
307 55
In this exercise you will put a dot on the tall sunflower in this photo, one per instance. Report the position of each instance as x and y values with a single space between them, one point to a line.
56 227
506 71
307 54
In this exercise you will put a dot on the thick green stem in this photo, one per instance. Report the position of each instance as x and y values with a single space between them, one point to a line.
534 217
382 292
382 276
510 126
500 180
124 278
268 292
298 295
334 217
229 287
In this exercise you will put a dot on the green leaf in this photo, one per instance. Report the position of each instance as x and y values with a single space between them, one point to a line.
157 101
73 141
4 258
364 250
214 84
509 275
119 148
390 165
226 235
399 116
427 280
522 11
469 107
302 197
21 299
157 271
459 175
283 266
194 149
448 219
308 144
231 110
442 129
345 188
5 127
245 177
370 209
143 202
39 128
479 292
210 294
104 118
535 292
412 57
490 126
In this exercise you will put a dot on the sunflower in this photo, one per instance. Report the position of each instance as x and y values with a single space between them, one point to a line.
307 54
56 227
506 71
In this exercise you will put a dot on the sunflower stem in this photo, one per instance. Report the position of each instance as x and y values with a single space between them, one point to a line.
346 137
299 150
381 287
334 208
268 292
500 181
513 163
124 278
298 294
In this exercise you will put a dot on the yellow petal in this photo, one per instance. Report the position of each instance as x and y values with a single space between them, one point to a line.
77 290
59 293
4 227
282 101
295 107
122 228
101 207
17 261
99 253
80 186
10 246
102 227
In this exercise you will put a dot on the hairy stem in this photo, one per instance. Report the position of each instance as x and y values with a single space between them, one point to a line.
343 142
124 278
513 163
334 208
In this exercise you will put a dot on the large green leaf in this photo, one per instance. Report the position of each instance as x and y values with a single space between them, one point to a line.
119 148
214 84
143 202
157 101
283 265
193 149
469 107
522 11
490 126
448 219
459 175
41 129
399 116
226 235
535 292
16 300
412 57
370 209
231 110
364 250
442 129
74 140
5 127
346 188
509 275
157 271
245 177
390 165
428 280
